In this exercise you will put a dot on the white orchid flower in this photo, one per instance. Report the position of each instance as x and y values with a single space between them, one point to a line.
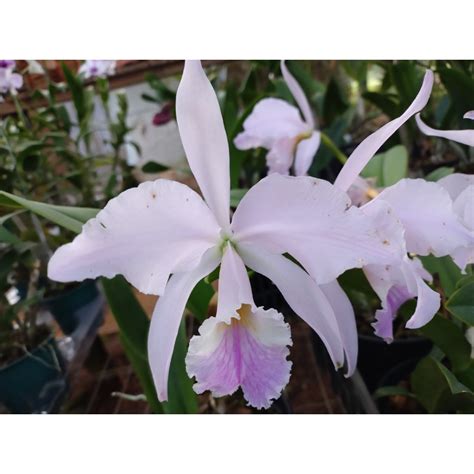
164 238
274 124
92 68
417 213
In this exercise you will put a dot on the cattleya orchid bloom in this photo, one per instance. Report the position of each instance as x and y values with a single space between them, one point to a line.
466 137
274 124
92 68
419 218
9 81
164 238
460 188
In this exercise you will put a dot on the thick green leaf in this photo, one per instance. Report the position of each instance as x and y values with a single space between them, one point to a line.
153 167
8 237
461 303
395 165
134 323
142 370
71 218
446 270
388 168
439 173
438 389
385 102
391 390
182 398
450 339
236 195
199 299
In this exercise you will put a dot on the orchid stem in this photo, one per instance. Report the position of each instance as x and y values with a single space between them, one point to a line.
334 148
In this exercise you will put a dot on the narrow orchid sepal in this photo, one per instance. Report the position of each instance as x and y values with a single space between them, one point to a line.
369 147
204 139
466 137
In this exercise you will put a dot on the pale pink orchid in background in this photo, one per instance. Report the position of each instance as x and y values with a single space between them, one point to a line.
460 188
93 68
416 215
274 124
164 238
466 137
10 81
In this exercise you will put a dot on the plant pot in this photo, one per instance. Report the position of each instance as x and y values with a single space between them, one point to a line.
376 357
66 307
35 382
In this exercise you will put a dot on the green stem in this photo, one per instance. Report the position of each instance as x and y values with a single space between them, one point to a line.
333 147
19 111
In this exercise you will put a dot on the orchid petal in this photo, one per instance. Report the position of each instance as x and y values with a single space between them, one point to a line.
464 208
466 137
367 149
204 138
305 152
145 233
426 212
167 316
234 286
394 286
280 156
271 120
428 301
469 115
298 95
456 183
314 222
16 80
346 322
302 294
250 351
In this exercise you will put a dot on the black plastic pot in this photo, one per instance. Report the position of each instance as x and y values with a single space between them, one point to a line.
35 382
66 307
377 358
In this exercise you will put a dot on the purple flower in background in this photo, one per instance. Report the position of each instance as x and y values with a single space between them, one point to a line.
291 139
9 81
418 216
164 238
93 68
164 116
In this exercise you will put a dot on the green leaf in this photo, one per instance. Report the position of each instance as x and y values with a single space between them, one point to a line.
236 195
182 398
448 272
134 324
460 87
439 173
198 302
153 167
71 218
8 237
395 165
438 389
461 303
450 339
388 168
391 390
385 102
